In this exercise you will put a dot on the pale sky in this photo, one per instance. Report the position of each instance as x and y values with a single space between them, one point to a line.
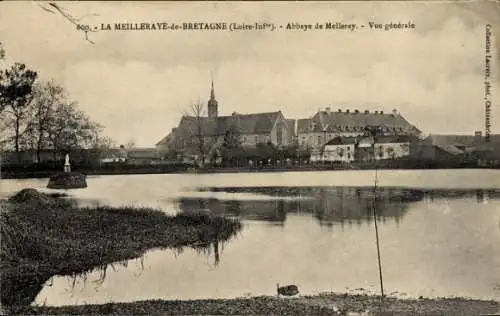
139 83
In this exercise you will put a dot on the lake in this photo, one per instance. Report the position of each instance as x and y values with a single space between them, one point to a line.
439 234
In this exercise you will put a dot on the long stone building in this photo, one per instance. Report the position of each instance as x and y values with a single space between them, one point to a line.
326 125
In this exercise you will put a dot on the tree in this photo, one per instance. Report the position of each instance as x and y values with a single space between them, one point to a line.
232 150
265 151
16 85
197 111
195 114
47 97
70 128
2 51
232 137
130 144
373 131
104 143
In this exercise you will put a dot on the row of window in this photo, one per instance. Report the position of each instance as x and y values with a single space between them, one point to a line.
339 148
347 128
329 137
348 156
194 140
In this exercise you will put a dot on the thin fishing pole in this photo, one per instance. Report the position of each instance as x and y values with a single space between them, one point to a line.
376 233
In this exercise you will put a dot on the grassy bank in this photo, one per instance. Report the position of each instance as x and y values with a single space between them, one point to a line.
323 304
43 236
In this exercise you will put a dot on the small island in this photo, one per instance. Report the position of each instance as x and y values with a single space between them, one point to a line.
67 179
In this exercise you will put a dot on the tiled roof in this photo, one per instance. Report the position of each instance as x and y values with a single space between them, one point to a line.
291 125
259 123
464 140
142 153
460 140
165 140
342 141
458 144
449 143
356 121
393 139
304 125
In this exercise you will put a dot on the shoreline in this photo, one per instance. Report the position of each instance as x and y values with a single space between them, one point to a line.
44 236
31 174
320 304
120 234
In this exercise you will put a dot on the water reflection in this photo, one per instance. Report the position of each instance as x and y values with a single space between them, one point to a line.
326 204
481 195
100 272
446 245
23 288
65 240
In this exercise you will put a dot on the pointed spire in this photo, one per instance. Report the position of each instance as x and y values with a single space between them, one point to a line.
212 103
212 92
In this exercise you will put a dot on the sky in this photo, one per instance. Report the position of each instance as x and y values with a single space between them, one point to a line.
138 84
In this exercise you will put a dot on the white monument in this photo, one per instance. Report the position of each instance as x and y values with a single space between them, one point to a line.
67 166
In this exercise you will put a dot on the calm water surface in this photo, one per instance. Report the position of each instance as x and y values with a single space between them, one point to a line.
439 232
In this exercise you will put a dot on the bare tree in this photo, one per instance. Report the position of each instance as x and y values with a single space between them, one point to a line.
130 144
196 113
2 51
47 97
104 143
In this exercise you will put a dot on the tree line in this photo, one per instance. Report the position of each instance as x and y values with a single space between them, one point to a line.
38 115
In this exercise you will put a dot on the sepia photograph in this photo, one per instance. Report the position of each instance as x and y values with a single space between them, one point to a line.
250 158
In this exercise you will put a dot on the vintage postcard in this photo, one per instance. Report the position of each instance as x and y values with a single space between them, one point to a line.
250 158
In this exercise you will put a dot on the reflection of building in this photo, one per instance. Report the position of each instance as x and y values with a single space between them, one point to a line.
205 133
480 195
356 204
259 210
328 205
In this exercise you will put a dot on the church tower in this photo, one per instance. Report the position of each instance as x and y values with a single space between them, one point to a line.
212 103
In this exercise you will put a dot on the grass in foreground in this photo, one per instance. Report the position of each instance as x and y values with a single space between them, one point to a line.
323 304
43 236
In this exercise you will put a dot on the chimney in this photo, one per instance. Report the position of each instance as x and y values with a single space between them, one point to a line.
328 110
174 129
356 111
347 111
340 110
367 112
234 114
381 112
394 112
376 112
